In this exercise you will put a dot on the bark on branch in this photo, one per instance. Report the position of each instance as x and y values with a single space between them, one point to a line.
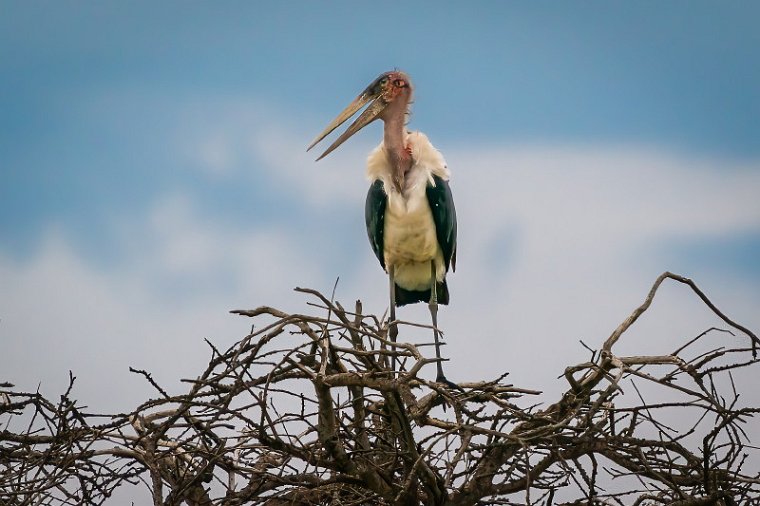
305 410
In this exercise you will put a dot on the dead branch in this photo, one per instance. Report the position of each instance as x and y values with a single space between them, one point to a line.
305 410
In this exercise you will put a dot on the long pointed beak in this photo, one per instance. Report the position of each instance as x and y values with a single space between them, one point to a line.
368 116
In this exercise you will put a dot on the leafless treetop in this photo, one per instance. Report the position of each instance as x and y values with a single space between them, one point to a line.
307 410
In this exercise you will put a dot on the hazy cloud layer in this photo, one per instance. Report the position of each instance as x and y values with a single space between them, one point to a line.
557 244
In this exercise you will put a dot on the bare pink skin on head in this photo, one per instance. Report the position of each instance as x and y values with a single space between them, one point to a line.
397 93
387 98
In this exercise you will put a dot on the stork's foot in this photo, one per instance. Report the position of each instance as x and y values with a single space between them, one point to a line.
441 380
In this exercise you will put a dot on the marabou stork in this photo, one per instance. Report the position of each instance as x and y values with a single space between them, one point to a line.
410 215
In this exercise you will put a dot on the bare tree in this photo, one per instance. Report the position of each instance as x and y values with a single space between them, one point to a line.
307 410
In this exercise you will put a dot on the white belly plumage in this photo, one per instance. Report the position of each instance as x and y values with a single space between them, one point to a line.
410 242
409 235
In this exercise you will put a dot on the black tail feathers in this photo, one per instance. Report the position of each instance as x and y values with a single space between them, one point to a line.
404 297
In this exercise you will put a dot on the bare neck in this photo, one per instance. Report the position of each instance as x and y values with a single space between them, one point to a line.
394 139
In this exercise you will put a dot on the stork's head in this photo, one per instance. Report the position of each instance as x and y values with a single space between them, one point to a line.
388 96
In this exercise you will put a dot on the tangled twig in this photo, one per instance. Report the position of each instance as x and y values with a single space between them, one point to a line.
307 410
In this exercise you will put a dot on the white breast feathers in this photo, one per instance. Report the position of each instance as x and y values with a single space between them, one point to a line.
410 242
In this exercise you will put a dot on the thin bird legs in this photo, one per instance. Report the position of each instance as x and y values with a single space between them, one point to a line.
433 306
393 330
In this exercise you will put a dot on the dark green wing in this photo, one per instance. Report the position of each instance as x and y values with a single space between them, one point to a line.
445 218
374 216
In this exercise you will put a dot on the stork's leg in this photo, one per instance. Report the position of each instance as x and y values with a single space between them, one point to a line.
433 305
393 329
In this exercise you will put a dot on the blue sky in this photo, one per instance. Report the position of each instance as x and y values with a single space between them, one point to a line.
90 94
153 173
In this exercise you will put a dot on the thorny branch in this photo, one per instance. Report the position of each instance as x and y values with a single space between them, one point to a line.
305 410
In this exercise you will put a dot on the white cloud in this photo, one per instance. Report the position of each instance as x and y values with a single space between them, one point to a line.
215 154
242 138
581 232
184 244
590 229
336 180
182 276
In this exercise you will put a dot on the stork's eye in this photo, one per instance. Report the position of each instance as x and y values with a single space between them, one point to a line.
383 81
